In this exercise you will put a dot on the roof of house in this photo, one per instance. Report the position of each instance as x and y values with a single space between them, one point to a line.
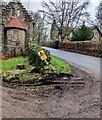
96 27
14 23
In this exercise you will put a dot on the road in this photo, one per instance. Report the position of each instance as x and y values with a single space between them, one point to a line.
88 63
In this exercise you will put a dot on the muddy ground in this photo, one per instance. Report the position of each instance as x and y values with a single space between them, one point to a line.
54 100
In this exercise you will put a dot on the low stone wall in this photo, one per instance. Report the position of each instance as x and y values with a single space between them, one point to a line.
10 51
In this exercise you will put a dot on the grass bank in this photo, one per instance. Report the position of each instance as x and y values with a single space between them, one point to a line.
58 64
61 65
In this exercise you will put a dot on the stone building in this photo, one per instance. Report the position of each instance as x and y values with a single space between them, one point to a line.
17 27
97 34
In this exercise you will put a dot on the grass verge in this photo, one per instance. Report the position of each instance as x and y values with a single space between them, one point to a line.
61 65
11 64
8 65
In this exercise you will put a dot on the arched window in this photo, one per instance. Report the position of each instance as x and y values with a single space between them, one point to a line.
18 12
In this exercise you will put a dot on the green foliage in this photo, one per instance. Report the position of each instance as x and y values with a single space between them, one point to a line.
11 64
55 44
47 54
61 65
34 58
82 34
58 64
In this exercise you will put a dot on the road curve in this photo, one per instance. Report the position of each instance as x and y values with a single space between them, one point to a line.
88 63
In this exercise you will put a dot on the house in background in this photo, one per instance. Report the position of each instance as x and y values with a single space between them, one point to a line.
97 34
17 26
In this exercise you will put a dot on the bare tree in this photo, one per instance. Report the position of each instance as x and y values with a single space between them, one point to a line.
39 29
66 13
99 15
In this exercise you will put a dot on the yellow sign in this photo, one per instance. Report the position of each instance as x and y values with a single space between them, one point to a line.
42 55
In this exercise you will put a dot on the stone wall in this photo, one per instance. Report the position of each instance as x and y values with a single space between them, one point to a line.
15 39
1 27
21 13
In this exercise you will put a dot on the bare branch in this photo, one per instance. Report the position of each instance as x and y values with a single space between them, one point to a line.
66 13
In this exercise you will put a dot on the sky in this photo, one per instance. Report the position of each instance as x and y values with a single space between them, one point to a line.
35 5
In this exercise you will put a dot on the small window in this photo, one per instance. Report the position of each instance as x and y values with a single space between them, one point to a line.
95 35
13 12
18 12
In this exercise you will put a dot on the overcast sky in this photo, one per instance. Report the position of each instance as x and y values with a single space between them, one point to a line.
35 5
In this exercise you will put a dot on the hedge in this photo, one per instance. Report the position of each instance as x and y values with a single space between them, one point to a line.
88 47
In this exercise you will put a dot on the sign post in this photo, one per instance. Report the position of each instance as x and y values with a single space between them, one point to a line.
43 56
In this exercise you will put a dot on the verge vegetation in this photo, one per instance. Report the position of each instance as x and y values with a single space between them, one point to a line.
57 65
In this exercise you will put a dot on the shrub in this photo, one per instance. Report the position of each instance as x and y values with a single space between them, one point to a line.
82 34
34 58
46 43
84 47
66 45
55 44
47 54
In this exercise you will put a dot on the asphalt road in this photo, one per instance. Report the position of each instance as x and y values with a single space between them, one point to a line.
87 63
